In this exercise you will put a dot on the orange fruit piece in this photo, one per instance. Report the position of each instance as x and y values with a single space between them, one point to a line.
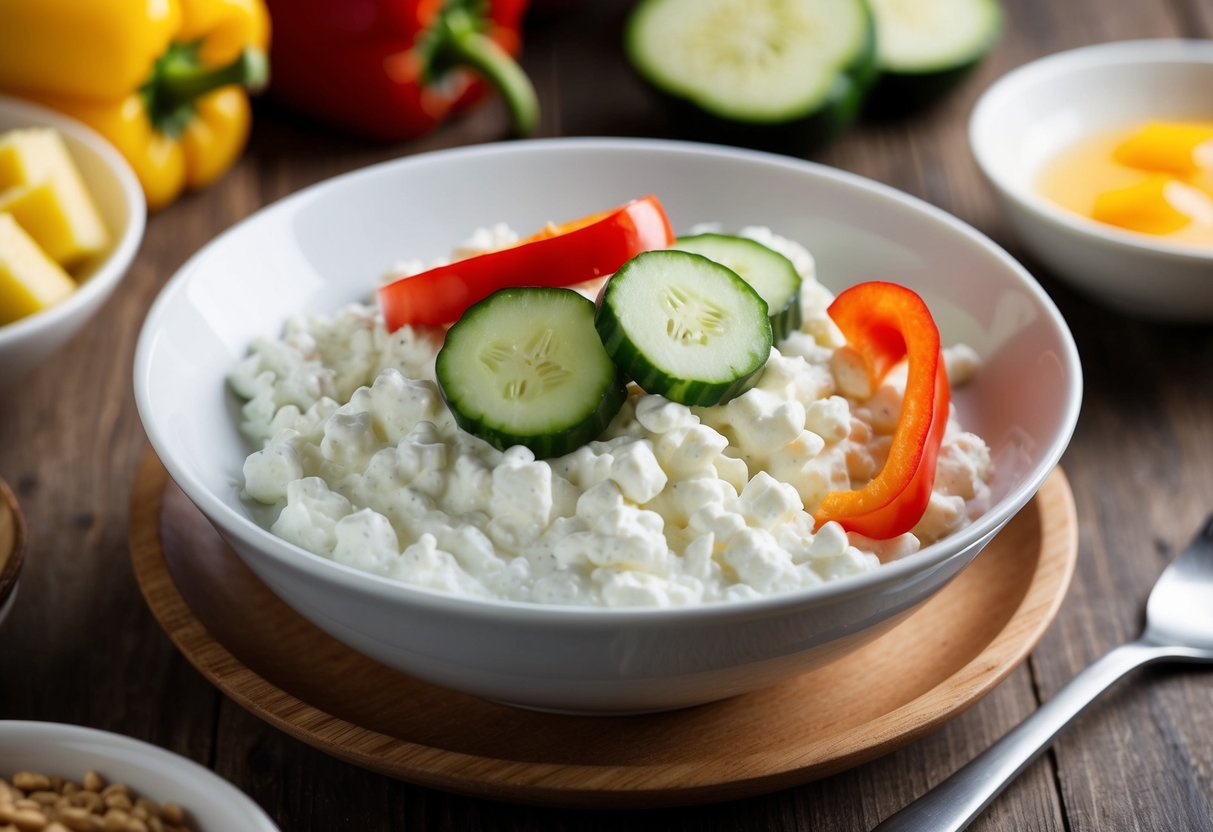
1166 147
1142 207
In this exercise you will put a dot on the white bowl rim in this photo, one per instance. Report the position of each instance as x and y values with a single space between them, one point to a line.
326 569
116 263
1147 51
161 758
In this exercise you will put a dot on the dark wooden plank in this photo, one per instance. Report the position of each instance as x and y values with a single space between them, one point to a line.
1142 480
87 649
1197 17
1141 464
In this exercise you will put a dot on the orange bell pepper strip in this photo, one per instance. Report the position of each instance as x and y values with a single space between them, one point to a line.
884 323
561 255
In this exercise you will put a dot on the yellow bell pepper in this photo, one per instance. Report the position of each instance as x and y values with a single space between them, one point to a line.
163 80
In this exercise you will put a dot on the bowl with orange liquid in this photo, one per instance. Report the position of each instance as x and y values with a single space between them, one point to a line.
1102 158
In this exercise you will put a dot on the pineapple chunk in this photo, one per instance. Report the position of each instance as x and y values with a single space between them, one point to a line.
46 215
29 280
41 186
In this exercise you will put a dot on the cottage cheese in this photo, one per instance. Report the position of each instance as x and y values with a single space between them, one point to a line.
362 462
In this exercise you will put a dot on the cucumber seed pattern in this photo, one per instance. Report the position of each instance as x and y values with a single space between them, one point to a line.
691 318
745 36
527 370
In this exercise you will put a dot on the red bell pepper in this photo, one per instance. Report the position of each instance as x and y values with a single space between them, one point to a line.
562 255
883 323
393 69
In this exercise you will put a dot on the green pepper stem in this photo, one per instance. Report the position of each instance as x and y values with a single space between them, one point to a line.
182 82
460 43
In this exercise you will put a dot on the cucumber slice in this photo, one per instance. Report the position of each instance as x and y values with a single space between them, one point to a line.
926 47
767 72
771 274
685 327
524 366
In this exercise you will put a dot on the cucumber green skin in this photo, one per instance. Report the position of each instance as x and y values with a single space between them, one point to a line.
784 321
787 320
652 379
545 445
796 133
898 93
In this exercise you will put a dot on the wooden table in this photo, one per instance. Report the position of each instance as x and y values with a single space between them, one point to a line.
82 647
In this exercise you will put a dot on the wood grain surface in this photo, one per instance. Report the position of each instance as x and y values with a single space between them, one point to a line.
283 669
81 645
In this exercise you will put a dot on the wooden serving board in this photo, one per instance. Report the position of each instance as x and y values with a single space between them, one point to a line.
271 661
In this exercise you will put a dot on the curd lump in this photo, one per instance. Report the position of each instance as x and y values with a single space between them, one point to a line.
362 463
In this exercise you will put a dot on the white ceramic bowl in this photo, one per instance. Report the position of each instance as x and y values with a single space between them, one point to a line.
1029 115
68 751
326 246
26 342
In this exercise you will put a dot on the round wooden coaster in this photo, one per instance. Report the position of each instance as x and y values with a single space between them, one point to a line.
271 661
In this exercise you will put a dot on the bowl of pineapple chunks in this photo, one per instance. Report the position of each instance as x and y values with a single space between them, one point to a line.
71 219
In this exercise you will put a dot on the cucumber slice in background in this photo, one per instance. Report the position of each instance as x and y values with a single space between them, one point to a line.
525 366
771 274
782 74
925 48
684 327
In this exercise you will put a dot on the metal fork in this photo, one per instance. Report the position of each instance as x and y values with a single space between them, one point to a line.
1179 627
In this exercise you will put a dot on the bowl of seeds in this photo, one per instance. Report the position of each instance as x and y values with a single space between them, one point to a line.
65 778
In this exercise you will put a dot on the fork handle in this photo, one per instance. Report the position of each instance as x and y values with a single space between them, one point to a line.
954 803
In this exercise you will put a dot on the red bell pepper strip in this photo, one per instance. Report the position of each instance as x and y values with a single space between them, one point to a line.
564 255
393 69
883 323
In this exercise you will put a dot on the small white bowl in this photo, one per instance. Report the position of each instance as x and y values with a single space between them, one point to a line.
325 246
68 751
26 342
1031 114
